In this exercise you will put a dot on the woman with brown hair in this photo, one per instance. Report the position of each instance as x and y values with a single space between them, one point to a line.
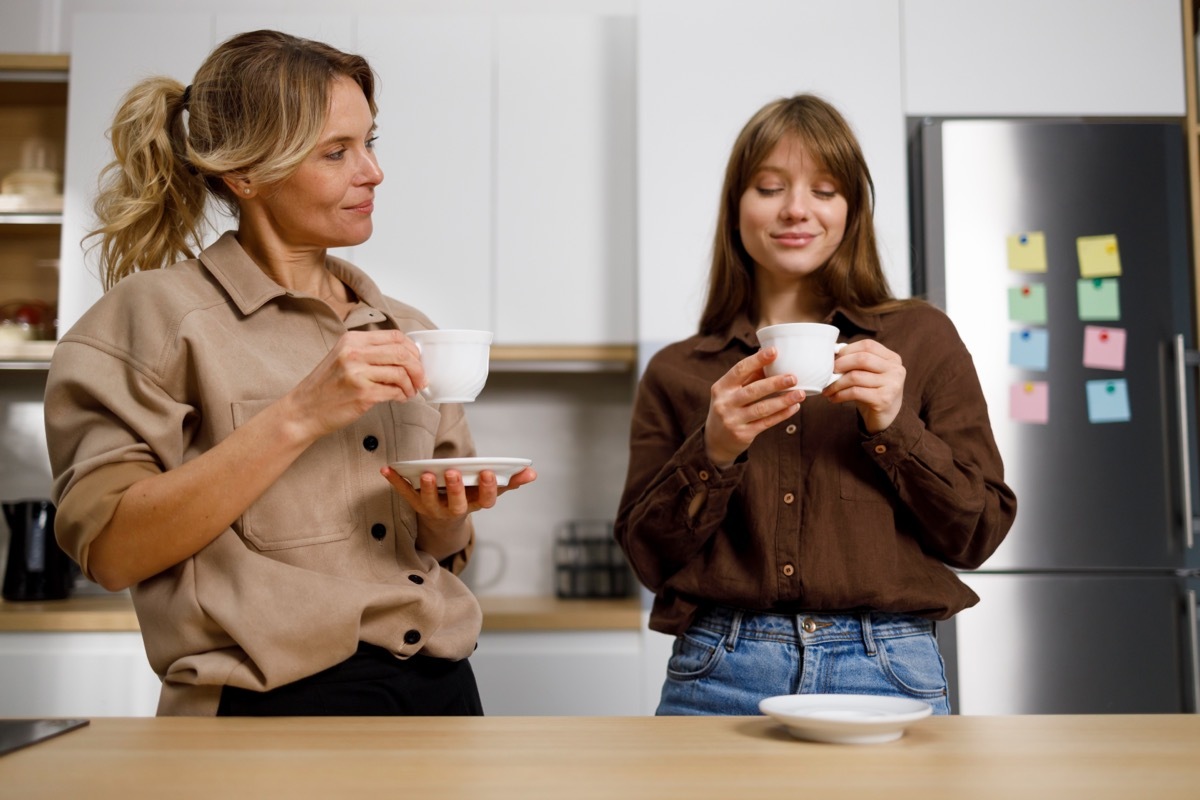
219 420
800 544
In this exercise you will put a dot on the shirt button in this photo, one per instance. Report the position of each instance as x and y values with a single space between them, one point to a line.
370 443
790 429
416 579
789 498
412 637
881 449
703 475
789 570
379 530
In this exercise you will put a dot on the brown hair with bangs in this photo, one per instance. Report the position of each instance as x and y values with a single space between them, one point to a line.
853 277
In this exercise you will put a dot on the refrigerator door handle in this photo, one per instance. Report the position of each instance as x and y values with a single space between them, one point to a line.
1183 359
1194 642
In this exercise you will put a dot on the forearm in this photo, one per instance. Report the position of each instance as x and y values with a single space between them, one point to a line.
443 538
164 519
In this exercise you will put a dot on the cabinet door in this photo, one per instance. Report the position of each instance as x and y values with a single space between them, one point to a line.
76 675
109 54
432 245
1030 57
565 178
703 69
565 673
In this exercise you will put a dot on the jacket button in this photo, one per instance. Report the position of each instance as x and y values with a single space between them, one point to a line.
370 443
416 579
412 637
703 475
379 530
881 449
789 498
789 570
790 429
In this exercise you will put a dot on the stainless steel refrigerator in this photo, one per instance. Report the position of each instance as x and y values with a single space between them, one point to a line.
1060 250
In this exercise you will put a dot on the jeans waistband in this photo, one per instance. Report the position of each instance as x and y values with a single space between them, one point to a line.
810 627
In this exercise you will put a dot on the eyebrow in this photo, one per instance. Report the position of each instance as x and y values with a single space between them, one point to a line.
340 138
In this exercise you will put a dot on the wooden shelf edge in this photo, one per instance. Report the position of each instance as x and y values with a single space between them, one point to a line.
35 62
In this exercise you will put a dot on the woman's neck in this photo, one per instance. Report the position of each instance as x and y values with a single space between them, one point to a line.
794 302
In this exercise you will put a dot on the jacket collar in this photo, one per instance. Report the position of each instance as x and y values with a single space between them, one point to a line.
250 288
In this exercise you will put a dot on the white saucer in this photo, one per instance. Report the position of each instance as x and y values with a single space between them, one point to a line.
470 468
845 718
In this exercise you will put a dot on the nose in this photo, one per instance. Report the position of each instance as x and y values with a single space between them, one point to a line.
371 172
796 206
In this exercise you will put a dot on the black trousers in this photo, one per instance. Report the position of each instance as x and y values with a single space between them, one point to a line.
372 682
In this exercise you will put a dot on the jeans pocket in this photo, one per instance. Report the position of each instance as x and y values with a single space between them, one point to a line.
694 655
914 665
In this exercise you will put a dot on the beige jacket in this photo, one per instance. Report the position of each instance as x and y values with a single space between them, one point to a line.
167 364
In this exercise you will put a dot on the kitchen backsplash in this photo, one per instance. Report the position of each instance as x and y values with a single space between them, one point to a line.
575 427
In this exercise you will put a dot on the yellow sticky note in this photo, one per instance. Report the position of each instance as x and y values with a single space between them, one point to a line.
1027 252
1099 256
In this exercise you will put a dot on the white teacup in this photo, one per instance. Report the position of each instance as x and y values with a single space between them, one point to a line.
455 362
804 349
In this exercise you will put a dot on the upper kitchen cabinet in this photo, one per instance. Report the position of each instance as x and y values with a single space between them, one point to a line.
703 70
1038 58
432 245
33 113
565 179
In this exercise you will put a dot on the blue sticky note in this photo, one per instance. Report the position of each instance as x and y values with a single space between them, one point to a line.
1108 401
1099 299
1029 348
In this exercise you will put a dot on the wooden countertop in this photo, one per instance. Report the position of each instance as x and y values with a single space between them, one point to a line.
1093 757
115 613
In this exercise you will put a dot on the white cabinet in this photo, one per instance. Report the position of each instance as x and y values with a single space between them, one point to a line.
75 674
1032 57
703 69
588 673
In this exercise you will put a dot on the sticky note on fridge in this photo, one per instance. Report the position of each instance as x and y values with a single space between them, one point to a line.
1029 348
1098 256
1027 252
1108 401
1103 348
1027 303
1029 401
1099 299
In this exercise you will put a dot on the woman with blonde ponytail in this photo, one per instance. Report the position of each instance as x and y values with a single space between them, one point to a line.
220 422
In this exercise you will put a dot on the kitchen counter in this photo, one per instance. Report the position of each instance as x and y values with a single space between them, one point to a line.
1152 756
115 613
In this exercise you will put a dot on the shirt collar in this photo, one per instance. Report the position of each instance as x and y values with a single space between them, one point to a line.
742 330
250 288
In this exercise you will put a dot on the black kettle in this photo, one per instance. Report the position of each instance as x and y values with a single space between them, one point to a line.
37 568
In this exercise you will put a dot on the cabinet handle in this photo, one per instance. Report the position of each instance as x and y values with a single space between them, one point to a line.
1194 644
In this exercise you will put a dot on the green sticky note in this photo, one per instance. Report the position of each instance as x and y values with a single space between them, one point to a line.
1027 252
1027 303
1099 299
1099 256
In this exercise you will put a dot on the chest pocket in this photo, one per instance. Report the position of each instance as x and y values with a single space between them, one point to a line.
311 503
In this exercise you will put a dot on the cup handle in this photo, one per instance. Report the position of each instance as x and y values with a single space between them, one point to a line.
837 348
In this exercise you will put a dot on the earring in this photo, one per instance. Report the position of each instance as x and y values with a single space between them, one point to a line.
245 191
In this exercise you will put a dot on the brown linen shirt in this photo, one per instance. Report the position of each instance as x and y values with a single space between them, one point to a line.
166 365
816 515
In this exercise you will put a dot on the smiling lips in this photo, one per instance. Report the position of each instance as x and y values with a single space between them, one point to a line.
364 208
793 239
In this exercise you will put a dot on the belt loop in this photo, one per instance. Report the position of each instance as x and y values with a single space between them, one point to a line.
867 634
735 625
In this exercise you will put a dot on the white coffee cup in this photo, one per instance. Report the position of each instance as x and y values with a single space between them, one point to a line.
804 349
455 362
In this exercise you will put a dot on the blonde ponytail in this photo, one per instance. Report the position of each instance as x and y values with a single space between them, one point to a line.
150 208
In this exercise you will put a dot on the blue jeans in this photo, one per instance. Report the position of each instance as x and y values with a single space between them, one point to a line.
728 660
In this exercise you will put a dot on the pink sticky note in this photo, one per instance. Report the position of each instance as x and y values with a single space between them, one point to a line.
1103 348
1029 401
